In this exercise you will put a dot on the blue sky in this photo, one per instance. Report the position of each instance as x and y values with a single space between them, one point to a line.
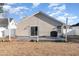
57 10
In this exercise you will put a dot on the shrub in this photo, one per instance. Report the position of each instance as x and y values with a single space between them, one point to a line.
5 40
1 40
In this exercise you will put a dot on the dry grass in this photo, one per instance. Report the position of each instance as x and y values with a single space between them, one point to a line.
38 48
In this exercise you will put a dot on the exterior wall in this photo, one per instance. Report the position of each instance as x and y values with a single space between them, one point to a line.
76 30
6 32
1 34
73 34
72 31
44 29
2 29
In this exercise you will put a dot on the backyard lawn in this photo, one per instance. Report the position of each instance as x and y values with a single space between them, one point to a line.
38 48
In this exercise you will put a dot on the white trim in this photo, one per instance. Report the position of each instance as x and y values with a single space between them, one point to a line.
9 29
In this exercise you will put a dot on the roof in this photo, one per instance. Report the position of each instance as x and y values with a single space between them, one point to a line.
4 22
48 19
75 25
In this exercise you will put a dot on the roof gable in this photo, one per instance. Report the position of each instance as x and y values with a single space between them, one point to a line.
48 19
12 24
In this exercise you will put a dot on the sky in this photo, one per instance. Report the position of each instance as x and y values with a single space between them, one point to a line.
60 11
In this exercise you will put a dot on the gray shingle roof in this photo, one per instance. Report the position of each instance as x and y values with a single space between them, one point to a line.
75 25
48 19
4 22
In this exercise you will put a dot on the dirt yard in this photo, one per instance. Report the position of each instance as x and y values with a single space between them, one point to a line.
39 48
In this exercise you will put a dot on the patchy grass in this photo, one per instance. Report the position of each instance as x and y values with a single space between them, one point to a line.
38 48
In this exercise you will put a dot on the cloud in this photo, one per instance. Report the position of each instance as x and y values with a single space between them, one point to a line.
55 13
35 5
59 12
6 7
53 5
71 19
11 3
18 9
60 8
61 18
11 9
70 16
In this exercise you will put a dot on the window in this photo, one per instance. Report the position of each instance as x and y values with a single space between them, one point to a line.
34 31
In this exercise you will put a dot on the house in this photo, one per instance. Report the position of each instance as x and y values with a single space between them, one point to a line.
4 27
75 28
73 31
12 27
40 25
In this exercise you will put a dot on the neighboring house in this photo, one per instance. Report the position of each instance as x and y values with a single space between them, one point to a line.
4 30
40 25
12 27
74 29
